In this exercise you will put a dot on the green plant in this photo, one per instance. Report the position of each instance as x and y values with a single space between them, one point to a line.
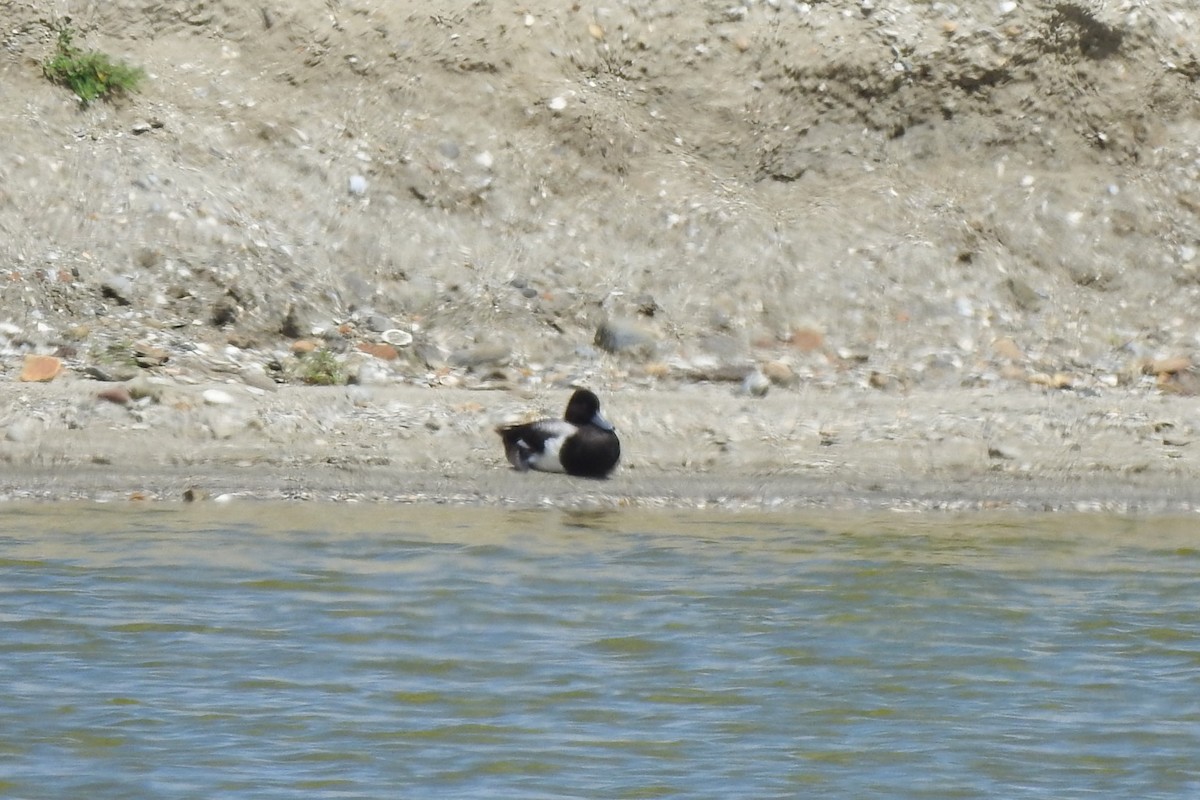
88 73
118 354
321 368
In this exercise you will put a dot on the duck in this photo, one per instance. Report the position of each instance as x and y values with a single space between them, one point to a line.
583 443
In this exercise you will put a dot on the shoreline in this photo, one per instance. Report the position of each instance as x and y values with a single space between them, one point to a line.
691 446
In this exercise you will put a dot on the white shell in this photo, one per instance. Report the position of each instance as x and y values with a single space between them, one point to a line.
397 337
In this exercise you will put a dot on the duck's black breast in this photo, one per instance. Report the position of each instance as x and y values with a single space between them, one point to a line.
590 452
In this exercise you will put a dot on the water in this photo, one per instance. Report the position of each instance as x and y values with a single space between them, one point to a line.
350 652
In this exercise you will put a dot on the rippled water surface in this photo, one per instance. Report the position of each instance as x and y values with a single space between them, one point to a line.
283 651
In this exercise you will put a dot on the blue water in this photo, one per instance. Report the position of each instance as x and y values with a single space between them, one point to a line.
361 652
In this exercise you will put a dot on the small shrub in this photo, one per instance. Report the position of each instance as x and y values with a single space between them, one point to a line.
88 73
321 368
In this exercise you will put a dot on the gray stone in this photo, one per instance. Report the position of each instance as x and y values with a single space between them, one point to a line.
119 288
481 355
378 323
257 377
625 336
756 384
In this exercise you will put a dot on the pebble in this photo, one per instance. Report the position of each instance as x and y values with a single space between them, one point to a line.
482 355
378 323
382 351
217 397
710 369
806 340
625 336
119 288
779 373
1168 366
756 384
256 377
40 369
143 387
1004 452
116 394
358 185
150 356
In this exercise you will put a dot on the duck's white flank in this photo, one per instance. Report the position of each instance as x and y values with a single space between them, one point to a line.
547 460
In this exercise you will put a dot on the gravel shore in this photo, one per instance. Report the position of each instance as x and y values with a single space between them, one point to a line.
697 446
834 254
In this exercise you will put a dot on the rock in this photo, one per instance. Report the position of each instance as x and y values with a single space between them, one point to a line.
115 394
119 288
378 323
147 355
482 355
149 258
1184 382
217 397
1168 366
713 370
756 384
110 373
40 369
625 336
1059 380
879 380
143 387
293 326
357 185
779 373
257 378
224 312
384 352
806 340
1003 452
429 354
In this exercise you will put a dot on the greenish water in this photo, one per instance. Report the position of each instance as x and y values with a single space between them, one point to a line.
288 651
